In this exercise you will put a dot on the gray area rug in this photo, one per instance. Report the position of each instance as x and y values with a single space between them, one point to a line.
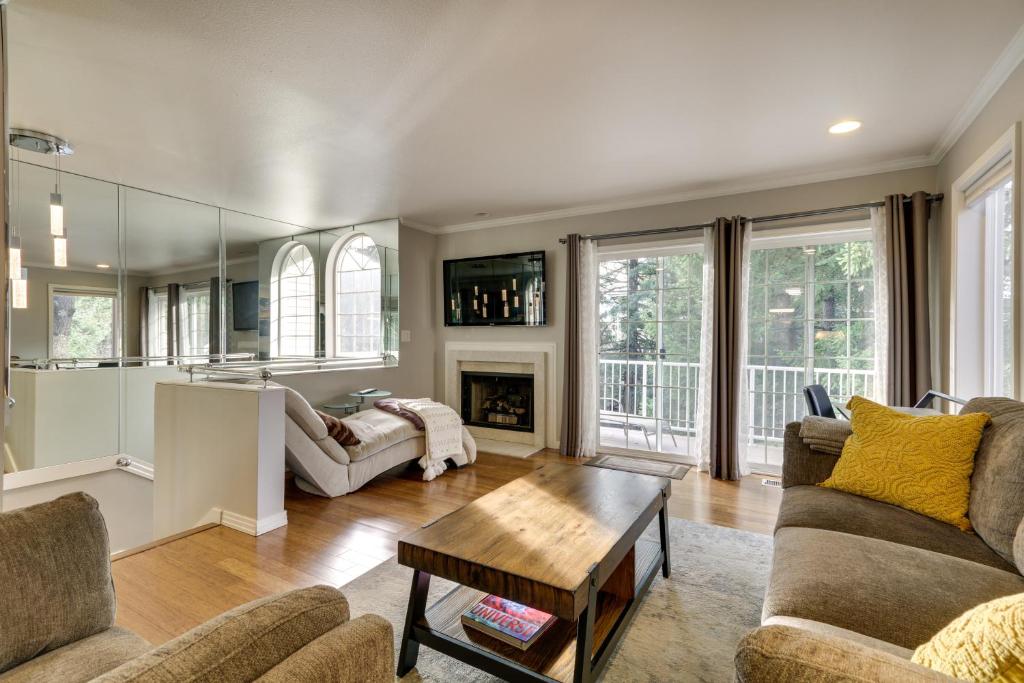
629 463
686 629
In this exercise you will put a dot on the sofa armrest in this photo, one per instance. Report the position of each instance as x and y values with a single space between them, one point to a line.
787 653
243 643
358 651
800 465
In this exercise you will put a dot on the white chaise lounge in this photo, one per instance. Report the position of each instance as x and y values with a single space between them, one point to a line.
325 468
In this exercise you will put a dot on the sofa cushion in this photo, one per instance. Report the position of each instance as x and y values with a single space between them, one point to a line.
884 590
997 485
819 508
55 570
81 660
377 430
923 463
241 644
1018 546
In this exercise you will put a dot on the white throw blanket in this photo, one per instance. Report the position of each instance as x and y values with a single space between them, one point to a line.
443 428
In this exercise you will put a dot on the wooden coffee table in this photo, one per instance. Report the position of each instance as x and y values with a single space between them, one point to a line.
564 539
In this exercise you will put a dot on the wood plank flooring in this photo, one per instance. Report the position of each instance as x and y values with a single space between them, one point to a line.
164 591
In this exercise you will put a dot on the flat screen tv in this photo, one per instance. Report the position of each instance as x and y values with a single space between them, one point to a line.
245 305
495 290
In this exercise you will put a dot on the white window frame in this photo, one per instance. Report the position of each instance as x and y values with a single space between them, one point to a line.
275 303
190 293
972 313
157 339
331 292
82 290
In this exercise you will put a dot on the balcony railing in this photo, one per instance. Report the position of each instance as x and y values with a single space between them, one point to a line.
630 392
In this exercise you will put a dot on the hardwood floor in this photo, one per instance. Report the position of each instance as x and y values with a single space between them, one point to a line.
166 590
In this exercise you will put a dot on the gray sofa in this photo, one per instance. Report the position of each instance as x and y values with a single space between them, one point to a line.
57 618
856 584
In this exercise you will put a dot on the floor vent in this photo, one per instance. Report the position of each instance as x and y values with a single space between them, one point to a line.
774 483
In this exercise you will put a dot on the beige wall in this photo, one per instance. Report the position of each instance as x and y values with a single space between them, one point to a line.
1004 109
414 376
545 235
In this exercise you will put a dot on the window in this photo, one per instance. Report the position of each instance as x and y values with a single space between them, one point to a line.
157 341
83 322
195 321
984 356
649 355
293 302
810 321
355 292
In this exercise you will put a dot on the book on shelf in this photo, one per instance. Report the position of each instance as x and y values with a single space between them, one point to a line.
508 621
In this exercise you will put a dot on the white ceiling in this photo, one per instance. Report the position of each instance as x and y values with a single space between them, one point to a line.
330 113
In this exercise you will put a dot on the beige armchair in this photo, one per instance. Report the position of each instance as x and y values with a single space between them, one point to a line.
57 618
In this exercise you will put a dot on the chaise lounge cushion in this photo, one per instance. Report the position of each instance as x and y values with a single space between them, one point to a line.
819 508
997 485
377 430
896 593
81 660
55 569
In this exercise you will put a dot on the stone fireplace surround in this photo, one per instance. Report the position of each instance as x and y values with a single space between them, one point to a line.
537 359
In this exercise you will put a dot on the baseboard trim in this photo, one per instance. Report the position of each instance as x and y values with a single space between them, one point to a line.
251 526
160 541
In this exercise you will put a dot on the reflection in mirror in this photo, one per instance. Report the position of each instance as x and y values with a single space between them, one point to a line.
70 318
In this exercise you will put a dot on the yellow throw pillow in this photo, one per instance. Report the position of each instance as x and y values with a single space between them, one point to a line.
985 643
921 463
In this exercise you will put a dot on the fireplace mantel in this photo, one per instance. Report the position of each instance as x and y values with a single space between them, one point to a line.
535 358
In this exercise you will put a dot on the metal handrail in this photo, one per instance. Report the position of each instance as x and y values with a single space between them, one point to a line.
266 370
44 363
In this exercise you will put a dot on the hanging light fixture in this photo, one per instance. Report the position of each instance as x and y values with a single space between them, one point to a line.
60 252
14 242
44 143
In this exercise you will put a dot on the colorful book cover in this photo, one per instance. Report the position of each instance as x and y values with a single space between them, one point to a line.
507 620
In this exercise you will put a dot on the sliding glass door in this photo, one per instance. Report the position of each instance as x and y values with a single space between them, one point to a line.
811 320
649 354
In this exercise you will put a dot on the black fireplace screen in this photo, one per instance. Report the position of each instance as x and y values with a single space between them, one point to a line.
498 400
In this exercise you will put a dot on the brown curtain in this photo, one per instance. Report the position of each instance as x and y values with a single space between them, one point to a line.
726 355
216 298
571 439
173 321
910 360
143 321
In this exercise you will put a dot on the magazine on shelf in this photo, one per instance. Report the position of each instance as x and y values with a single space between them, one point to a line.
508 621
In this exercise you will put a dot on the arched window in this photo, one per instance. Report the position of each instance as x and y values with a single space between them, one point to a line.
354 294
293 302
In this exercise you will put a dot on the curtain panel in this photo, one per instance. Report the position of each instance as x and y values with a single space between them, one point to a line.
579 387
143 321
908 357
173 321
722 395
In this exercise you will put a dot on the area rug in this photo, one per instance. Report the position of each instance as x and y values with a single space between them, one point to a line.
686 629
628 463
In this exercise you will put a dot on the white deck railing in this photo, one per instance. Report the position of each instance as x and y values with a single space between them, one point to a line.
632 390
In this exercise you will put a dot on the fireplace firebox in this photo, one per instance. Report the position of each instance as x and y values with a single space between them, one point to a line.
498 400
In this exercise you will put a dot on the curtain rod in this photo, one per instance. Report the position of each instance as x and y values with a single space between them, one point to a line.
761 219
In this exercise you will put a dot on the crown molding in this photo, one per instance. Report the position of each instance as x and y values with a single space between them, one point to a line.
1005 65
422 227
767 182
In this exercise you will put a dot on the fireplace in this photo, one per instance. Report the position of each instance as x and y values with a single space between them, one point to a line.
498 400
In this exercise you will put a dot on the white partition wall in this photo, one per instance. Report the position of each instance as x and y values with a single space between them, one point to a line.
219 457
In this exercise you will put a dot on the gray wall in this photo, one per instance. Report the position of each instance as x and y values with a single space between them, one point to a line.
414 376
1004 109
545 234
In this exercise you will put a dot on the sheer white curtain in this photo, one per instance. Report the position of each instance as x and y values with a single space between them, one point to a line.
707 312
588 346
882 301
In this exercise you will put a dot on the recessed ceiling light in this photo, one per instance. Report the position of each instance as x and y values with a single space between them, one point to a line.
104 266
847 126
482 214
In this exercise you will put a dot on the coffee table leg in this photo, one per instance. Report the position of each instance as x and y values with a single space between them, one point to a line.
417 605
585 634
666 567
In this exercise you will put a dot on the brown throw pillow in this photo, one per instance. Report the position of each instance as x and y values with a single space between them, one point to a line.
391 405
338 430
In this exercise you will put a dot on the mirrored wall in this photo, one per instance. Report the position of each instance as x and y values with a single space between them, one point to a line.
144 283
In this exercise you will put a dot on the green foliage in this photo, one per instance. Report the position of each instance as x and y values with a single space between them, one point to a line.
83 326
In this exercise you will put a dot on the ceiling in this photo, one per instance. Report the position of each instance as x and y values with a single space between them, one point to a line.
327 113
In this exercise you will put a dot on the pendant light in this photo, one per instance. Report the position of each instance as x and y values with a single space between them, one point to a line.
14 241
56 201
19 290
44 143
60 252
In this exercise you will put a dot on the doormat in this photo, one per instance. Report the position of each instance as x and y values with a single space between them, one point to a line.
656 468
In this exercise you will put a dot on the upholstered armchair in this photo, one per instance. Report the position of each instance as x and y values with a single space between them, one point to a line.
57 610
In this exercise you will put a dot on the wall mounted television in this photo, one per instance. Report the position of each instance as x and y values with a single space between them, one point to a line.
495 290
245 305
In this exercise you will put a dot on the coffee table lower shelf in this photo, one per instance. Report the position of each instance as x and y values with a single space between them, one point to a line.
553 656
